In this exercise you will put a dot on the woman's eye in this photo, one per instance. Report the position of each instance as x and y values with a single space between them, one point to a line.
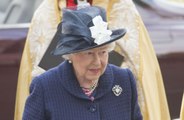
89 53
104 52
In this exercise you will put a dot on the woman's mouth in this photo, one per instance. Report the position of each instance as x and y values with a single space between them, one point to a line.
94 71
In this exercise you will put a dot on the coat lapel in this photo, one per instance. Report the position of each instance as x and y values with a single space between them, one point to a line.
105 83
70 83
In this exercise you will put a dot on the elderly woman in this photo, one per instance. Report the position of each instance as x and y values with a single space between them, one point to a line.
84 86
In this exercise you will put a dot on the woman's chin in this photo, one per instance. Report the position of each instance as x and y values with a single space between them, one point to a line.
93 78
93 75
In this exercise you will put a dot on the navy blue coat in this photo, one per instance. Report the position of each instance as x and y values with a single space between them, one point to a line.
56 95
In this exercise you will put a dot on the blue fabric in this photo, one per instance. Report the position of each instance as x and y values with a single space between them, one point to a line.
56 95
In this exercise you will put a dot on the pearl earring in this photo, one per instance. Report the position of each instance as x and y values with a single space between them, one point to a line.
69 61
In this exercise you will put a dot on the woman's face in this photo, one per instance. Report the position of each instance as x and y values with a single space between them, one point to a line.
90 64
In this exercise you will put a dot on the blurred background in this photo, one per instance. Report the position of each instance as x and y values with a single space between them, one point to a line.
164 20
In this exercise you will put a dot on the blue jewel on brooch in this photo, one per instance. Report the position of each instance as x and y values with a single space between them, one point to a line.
117 90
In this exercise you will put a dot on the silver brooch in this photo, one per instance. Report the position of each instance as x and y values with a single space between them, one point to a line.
117 90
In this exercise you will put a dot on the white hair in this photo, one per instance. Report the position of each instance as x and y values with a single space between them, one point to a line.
110 47
66 57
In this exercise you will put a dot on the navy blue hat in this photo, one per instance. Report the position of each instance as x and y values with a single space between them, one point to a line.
83 29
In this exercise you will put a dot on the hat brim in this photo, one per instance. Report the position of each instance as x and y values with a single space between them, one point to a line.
116 34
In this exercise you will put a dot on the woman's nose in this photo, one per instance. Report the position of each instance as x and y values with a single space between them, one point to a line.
97 59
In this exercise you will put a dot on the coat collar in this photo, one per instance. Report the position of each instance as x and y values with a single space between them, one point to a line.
70 83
